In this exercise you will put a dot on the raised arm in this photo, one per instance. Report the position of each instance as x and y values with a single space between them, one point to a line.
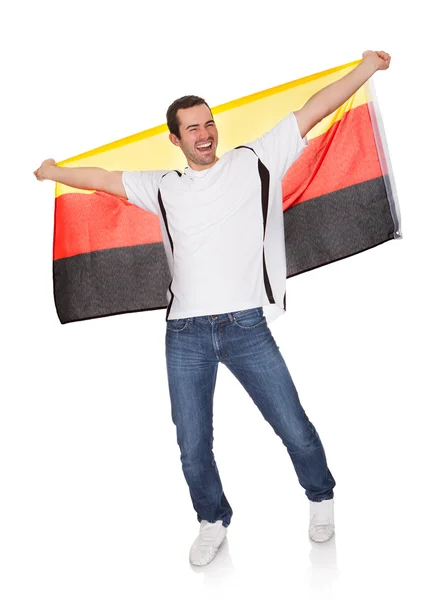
327 100
83 178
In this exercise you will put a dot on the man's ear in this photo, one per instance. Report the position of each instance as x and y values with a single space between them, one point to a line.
174 139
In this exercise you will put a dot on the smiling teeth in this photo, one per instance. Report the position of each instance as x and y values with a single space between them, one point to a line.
205 145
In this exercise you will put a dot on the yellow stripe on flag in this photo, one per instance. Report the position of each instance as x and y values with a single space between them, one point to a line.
238 122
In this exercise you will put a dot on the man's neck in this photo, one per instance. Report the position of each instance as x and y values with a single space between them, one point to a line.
196 167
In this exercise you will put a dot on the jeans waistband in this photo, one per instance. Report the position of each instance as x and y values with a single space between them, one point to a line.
222 317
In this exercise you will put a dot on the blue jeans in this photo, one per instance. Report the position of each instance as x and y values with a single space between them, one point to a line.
244 343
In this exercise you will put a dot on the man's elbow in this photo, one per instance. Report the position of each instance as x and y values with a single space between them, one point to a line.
307 119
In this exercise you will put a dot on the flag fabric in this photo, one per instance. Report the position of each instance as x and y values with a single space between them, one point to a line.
339 199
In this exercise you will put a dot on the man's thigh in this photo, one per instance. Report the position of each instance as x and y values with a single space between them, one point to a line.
256 361
191 371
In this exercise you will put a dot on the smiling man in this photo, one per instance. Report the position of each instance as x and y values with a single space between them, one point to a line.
199 138
222 228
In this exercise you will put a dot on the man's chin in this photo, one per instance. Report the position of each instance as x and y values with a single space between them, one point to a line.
206 160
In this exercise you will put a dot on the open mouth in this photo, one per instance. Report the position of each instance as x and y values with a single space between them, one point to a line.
205 147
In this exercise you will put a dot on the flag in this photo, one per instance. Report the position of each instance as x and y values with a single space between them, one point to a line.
339 199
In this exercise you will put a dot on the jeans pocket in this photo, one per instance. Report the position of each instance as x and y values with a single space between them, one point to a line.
250 318
177 324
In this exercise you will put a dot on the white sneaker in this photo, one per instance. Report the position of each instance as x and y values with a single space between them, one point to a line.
321 525
206 545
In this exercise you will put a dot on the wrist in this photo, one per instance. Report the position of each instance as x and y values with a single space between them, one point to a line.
371 64
50 172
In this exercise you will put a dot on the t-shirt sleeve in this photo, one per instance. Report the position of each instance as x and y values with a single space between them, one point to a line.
141 188
280 147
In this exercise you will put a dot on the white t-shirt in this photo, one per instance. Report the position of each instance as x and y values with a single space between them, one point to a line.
212 226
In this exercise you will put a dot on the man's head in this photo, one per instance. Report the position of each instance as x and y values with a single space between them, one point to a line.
192 127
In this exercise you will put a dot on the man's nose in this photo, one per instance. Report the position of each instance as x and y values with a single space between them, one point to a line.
203 134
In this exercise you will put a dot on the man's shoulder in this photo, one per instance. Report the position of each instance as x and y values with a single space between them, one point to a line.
243 154
173 173
170 177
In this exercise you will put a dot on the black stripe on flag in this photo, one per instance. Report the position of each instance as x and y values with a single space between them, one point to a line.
136 278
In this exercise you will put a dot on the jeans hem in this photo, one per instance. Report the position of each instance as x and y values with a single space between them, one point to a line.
224 523
328 497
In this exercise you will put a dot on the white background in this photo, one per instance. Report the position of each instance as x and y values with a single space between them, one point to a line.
93 503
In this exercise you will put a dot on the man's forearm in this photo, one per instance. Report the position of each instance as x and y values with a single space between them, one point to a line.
82 178
324 102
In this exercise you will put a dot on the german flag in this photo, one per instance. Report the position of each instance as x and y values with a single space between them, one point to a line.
339 199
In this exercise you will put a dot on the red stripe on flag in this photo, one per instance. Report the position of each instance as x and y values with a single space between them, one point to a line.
344 155
89 222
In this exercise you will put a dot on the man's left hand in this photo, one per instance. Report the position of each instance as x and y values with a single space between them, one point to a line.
380 59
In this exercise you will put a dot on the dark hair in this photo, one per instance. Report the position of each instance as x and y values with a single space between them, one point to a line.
183 102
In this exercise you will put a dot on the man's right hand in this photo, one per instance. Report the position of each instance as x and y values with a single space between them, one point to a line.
83 178
41 173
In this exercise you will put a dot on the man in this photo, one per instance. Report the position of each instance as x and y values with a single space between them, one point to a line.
222 227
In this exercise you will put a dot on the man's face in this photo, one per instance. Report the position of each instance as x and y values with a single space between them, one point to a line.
197 130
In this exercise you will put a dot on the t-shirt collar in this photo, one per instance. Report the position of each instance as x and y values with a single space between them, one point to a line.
192 173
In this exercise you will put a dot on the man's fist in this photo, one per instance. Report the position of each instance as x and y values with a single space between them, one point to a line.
380 59
41 173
